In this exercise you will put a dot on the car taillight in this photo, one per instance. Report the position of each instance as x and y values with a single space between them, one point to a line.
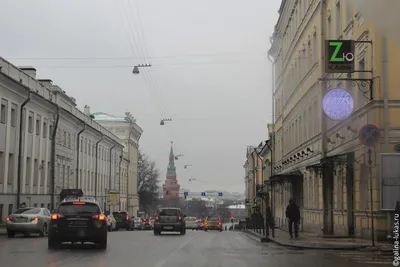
179 218
127 218
35 219
157 218
8 219
99 217
56 216
219 223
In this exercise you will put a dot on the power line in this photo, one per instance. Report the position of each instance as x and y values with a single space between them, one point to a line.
133 58
156 65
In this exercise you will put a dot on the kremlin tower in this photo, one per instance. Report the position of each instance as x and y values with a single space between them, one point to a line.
171 186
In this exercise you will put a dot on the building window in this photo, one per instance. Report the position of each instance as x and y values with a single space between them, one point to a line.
30 122
69 140
315 48
45 129
360 95
38 125
13 115
4 107
51 132
349 14
338 20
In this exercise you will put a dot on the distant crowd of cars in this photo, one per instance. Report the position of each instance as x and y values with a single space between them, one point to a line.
80 220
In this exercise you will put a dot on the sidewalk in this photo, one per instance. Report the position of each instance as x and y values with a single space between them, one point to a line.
312 241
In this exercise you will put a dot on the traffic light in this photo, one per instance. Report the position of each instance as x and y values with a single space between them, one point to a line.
231 219
185 194
220 194
203 194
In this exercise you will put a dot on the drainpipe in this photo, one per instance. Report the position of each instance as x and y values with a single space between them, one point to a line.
53 159
96 164
78 155
385 91
109 181
20 148
272 196
119 174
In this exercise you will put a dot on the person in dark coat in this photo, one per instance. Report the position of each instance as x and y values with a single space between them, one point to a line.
293 214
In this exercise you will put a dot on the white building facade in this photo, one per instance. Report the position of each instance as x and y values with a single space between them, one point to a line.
59 146
126 129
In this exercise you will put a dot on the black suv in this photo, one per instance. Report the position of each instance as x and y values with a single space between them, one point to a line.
123 221
78 220
169 220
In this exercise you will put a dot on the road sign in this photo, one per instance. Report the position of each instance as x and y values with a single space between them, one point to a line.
340 56
203 194
220 194
185 194
369 135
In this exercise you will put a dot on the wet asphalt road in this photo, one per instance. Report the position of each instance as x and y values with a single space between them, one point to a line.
195 249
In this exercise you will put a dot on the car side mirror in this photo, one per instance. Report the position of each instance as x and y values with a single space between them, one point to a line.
184 216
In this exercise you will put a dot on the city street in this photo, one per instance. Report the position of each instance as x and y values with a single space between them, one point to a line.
195 249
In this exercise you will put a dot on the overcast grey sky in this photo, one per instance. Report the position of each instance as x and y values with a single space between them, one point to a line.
210 71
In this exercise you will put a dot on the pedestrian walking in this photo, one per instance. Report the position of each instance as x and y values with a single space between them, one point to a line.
293 214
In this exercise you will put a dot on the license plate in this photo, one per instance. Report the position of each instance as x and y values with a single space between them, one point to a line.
168 227
77 223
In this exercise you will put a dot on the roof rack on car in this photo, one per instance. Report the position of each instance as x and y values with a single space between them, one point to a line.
79 198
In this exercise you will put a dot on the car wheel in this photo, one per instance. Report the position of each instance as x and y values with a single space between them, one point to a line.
102 244
205 230
183 232
43 232
52 243
109 228
10 234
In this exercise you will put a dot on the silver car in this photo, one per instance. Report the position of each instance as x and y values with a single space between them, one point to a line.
192 223
27 221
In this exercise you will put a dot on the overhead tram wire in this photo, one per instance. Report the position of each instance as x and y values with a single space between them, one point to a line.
145 74
145 53
134 53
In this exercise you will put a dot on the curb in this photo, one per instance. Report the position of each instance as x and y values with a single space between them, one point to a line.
283 244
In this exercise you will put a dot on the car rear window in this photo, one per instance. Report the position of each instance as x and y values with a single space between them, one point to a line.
28 211
73 209
120 215
190 219
169 212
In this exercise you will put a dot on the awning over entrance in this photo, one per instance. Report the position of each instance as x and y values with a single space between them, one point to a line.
285 177
332 161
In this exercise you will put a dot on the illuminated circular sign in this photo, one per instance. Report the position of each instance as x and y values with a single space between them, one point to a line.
338 104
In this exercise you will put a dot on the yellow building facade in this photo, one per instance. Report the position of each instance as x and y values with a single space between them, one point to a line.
319 161
253 178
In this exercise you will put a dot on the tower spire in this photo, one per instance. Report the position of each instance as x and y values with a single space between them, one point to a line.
171 164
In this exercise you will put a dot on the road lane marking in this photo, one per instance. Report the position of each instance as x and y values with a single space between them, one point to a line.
164 261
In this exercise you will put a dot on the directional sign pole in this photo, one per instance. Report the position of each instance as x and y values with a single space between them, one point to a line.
369 135
371 192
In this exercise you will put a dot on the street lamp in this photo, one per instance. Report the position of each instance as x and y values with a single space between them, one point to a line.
163 120
136 68
186 166
178 156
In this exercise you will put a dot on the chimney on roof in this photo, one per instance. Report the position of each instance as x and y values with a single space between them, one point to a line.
46 82
29 71
86 110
